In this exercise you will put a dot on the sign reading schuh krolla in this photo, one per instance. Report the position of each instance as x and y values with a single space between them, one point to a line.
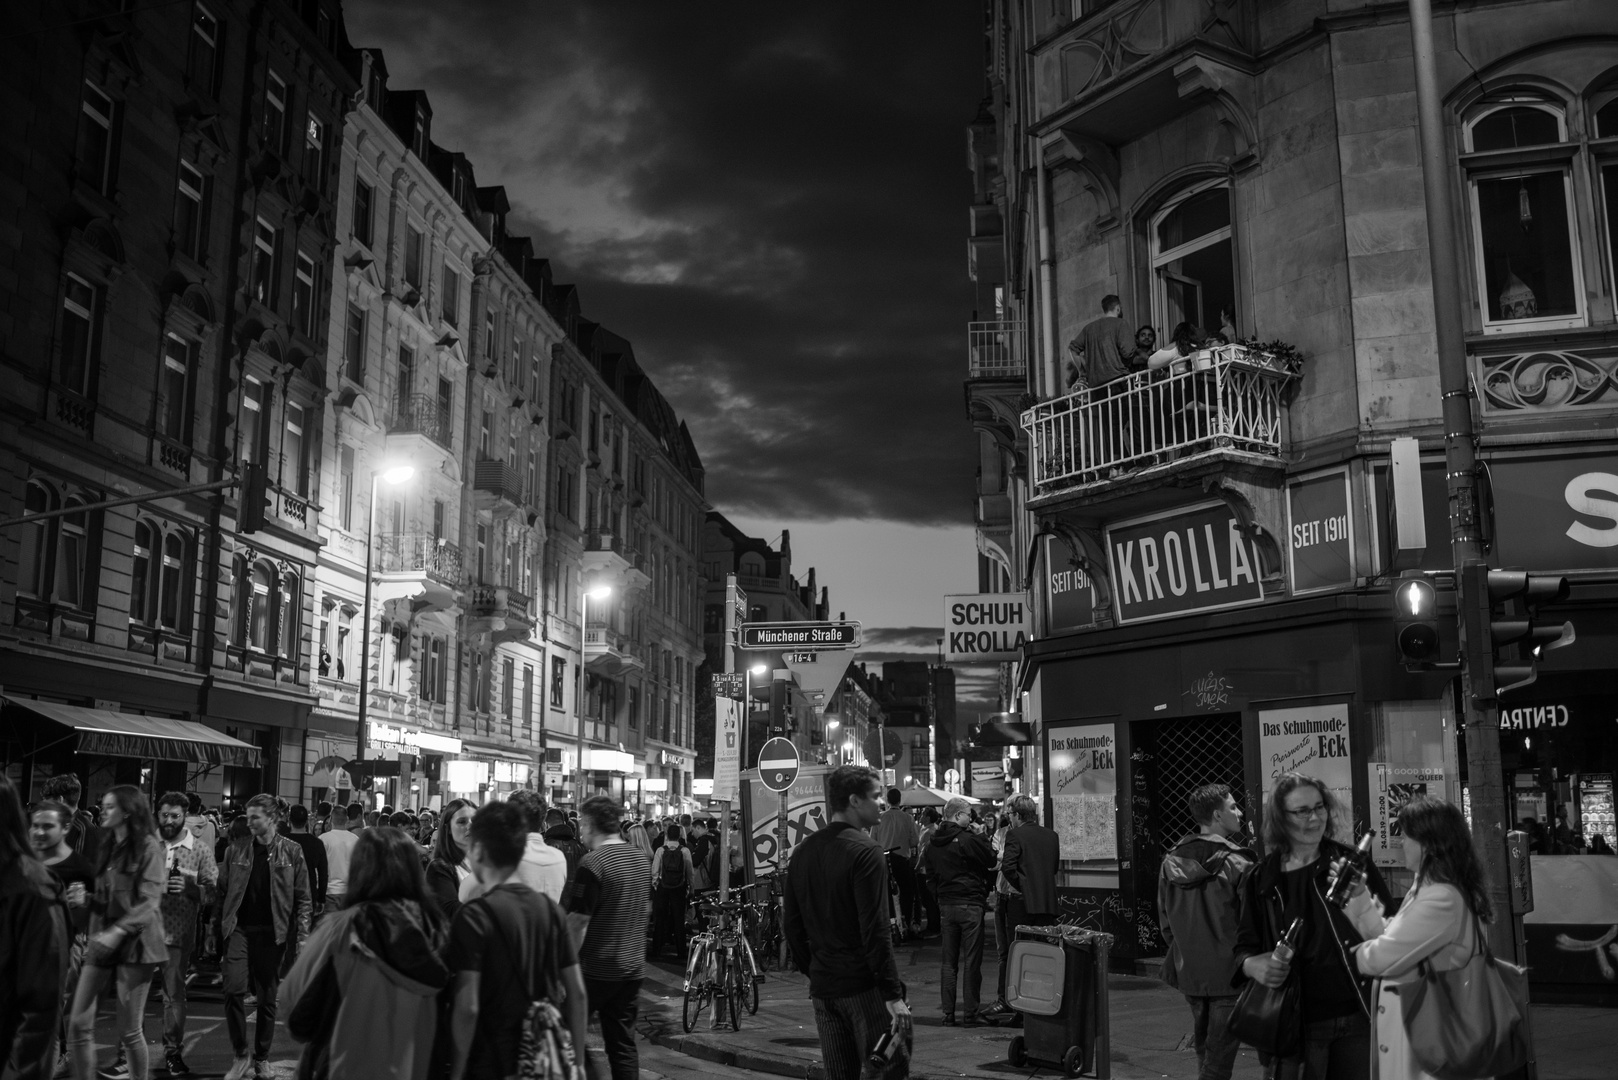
985 627
1179 562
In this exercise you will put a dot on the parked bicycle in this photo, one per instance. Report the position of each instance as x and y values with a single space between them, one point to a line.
720 969
762 922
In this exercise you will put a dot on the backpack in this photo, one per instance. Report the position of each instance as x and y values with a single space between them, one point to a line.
84 835
545 1051
673 868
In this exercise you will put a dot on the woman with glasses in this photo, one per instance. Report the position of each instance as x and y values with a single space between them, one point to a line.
1301 819
447 868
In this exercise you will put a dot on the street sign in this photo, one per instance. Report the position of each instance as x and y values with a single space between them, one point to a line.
800 658
778 764
801 635
728 685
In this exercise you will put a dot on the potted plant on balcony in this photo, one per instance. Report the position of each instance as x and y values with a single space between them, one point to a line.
1278 355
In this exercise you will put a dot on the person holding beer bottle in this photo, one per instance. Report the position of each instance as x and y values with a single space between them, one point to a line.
189 882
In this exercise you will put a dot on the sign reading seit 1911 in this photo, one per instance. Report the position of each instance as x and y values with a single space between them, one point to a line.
801 635
1193 559
985 627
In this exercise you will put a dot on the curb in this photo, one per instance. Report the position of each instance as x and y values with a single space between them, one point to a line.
740 1059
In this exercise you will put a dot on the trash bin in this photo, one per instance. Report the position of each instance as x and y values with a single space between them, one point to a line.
1057 979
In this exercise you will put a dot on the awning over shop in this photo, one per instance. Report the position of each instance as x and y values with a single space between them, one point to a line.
102 731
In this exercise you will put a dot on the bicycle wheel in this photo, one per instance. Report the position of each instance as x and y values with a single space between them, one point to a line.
696 999
749 987
730 986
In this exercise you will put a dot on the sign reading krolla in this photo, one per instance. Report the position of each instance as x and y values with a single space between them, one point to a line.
1180 562
985 627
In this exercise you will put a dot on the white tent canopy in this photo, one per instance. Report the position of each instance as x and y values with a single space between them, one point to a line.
921 795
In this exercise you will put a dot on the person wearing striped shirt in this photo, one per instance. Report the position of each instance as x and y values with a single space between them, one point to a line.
606 914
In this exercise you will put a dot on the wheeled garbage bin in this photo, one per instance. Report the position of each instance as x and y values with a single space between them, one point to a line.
1057 979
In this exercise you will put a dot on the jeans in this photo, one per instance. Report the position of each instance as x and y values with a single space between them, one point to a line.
904 876
251 958
133 982
615 1001
848 1028
1335 1049
962 927
927 896
668 919
1216 1047
174 969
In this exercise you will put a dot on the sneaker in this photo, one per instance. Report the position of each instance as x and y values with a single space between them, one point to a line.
64 1066
240 1069
263 1070
175 1063
118 1070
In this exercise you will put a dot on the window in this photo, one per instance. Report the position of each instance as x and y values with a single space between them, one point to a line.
508 686
527 695
407 380
33 557
202 66
480 682
434 669
274 126
314 152
446 409
415 242
173 390
252 434
174 591
438 519
486 436
488 336
354 345
266 263
80 316
360 227
1194 276
295 451
558 682
533 472
452 294
345 488
287 614
634 708
72 557
482 552
1528 273
418 133
345 643
141 576
191 213
259 608
303 295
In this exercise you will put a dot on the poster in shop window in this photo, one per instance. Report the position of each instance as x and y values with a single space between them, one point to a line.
1083 774
1312 740
1391 787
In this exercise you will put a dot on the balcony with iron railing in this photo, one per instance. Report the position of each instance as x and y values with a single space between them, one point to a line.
425 569
500 611
607 652
995 350
495 482
608 561
422 416
1228 407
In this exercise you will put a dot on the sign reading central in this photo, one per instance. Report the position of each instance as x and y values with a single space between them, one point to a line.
1180 562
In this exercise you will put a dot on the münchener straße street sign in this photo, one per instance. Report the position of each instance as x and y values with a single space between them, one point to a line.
801 635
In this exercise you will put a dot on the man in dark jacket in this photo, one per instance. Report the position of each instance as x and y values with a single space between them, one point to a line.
559 834
1029 865
960 862
1198 893
34 932
836 909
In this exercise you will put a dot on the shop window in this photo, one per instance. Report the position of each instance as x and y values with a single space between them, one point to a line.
360 227
174 388
1524 241
192 195
354 345
558 682
202 63
1193 265
304 295
273 128
98 140
81 326
451 307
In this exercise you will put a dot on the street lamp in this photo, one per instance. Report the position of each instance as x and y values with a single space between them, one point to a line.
393 475
599 592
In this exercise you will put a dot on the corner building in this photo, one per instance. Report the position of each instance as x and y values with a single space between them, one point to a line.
1210 546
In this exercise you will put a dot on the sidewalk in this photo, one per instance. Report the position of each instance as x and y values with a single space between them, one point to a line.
1150 1031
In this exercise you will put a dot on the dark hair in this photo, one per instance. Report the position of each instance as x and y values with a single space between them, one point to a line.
532 807
322 809
685 819
298 817
445 845
604 815
401 819
1206 801
354 811
894 797
63 787
386 865
930 816
387 811
63 812
1146 328
1187 338
847 781
554 816
502 829
1275 809
239 829
13 826
173 798
193 803
1111 301
674 833
1447 853
137 820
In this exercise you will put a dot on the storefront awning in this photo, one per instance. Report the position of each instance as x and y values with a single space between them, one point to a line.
117 734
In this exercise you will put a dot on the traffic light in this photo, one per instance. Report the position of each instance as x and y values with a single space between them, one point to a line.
1502 605
1415 618
255 499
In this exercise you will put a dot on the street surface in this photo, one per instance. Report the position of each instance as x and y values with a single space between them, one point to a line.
1150 1034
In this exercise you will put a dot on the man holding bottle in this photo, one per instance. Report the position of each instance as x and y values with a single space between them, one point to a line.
191 877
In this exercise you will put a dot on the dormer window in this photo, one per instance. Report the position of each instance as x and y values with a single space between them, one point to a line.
418 134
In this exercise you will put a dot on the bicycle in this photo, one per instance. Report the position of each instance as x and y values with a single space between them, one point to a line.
762 923
720 969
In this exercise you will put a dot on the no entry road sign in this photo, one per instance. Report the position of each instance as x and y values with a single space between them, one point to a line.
778 764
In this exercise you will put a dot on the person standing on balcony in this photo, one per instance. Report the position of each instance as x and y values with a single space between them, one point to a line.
1104 351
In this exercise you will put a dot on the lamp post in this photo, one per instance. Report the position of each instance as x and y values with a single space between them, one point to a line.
393 474
599 592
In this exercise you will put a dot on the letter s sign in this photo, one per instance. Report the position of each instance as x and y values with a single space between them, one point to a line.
1579 495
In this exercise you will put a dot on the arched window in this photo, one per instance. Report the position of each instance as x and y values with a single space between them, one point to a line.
288 616
142 579
175 591
240 592
33 557
260 608
72 557
1520 186
1193 266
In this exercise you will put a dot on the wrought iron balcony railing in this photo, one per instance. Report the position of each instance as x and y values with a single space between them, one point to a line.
995 350
421 414
499 479
405 553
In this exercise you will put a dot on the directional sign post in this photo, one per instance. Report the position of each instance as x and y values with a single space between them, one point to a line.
778 764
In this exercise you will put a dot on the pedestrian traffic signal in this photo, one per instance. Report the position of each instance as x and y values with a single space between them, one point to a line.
255 498
1505 637
1415 618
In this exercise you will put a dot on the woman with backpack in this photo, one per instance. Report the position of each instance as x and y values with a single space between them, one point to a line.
363 995
671 885
126 930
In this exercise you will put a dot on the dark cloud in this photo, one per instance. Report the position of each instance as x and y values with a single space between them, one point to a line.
768 200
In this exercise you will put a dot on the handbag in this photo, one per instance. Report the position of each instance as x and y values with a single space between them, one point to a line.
1269 1018
99 955
1469 1023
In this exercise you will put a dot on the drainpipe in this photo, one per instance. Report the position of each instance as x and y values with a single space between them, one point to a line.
1047 273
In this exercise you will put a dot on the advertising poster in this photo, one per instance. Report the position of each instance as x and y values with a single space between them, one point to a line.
806 814
1391 786
1312 740
1083 784
727 752
988 780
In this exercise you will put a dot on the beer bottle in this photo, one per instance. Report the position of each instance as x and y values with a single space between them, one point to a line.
1350 873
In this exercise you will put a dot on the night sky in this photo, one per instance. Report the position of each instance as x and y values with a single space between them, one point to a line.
770 202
